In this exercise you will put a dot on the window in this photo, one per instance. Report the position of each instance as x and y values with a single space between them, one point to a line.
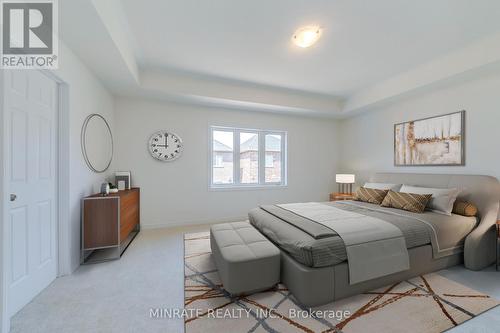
222 157
273 148
218 160
269 160
247 157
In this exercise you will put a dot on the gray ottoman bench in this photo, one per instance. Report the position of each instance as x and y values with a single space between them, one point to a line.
247 261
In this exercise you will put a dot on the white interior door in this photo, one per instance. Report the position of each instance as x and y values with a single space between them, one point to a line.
30 133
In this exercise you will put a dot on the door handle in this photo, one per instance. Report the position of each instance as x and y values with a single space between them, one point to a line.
13 197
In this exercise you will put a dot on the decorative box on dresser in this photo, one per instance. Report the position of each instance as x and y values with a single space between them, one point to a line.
109 224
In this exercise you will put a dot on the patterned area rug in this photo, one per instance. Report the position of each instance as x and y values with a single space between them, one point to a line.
429 303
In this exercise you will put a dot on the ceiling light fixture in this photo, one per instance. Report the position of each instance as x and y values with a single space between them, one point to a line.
306 36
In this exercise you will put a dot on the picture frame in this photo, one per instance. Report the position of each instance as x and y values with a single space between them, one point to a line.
125 177
431 141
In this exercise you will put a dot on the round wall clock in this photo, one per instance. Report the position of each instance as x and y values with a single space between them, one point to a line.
165 146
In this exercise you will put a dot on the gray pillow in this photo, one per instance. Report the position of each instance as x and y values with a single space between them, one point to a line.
383 186
442 198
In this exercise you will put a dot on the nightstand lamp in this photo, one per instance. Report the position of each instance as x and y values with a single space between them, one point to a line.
345 182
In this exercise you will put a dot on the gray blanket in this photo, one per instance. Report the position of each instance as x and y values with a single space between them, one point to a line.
445 233
374 247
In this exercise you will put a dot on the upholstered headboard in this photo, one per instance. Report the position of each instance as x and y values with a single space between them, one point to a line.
483 191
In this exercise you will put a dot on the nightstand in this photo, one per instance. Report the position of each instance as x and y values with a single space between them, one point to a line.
336 196
496 244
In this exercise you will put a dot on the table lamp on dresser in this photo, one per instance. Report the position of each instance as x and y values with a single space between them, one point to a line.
344 182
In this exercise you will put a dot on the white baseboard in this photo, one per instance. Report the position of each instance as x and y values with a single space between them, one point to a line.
146 226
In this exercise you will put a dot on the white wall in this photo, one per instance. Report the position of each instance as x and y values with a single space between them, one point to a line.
177 193
86 95
367 144
4 322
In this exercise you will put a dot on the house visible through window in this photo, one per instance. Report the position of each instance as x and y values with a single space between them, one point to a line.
218 160
247 157
222 157
269 160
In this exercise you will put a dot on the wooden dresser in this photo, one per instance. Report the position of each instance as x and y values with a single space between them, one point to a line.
109 224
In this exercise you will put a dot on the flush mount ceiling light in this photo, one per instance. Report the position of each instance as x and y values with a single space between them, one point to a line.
306 36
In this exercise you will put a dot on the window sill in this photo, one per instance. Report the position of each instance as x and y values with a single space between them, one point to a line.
246 187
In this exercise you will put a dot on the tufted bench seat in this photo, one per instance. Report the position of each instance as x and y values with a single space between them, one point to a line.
247 261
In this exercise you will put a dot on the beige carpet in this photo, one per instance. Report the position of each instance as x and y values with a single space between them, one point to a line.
429 303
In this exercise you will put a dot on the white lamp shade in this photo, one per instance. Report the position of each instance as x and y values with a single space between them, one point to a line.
344 178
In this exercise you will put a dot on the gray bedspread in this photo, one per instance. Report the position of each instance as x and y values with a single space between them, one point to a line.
315 246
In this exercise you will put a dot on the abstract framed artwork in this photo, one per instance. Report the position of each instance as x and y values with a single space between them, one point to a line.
434 141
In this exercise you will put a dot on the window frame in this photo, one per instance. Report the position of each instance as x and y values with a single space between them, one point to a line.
262 184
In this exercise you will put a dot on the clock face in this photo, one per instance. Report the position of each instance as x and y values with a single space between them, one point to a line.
165 146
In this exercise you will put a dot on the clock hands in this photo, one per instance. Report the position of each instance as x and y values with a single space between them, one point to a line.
166 142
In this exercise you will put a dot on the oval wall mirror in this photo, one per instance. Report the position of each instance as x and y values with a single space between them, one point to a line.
97 143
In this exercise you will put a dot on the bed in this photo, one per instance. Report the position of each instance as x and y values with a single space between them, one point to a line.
319 266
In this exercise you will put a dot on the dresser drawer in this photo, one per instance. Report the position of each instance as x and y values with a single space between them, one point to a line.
107 221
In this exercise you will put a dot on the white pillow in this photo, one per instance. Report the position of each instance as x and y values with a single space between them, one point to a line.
442 198
383 186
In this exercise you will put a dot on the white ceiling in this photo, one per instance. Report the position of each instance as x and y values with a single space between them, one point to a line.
238 54
363 42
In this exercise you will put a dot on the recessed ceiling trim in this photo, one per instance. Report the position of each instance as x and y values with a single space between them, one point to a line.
474 57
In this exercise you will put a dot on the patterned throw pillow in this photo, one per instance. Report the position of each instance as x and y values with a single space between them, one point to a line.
464 208
407 201
370 195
